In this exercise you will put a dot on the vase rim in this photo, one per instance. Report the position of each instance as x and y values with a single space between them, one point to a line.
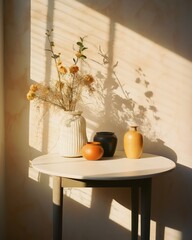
105 132
74 112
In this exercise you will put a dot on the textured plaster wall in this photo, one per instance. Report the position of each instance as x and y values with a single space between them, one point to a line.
151 40
2 206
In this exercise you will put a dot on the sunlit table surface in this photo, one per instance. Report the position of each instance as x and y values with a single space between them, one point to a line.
116 168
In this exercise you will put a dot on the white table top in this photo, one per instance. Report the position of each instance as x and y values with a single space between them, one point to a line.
116 168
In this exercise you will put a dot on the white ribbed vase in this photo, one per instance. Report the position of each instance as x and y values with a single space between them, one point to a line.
73 134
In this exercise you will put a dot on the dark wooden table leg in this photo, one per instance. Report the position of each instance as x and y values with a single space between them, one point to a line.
57 208
135 212
145 208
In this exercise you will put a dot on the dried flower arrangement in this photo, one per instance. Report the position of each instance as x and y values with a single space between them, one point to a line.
67 90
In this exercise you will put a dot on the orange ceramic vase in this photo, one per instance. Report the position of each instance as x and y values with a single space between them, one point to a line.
92 151
133 143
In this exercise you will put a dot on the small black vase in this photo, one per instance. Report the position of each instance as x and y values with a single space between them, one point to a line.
108 141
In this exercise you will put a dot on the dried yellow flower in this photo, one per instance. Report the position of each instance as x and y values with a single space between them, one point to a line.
88 79
30 95
62 69
34 87
74 69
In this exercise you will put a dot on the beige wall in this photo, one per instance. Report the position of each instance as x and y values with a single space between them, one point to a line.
152 35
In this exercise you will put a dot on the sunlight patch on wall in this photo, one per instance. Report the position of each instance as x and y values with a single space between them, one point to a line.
152 230
80 195
38 27
171 234
161 91
166 73
33 173
36 175
120 215
35 128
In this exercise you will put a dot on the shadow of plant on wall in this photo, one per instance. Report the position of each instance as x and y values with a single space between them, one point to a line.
117 107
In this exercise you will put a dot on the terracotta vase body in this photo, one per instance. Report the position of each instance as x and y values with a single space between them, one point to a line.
73 134
108 142
92 151
133 143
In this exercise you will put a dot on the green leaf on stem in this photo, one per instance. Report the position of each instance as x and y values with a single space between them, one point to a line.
55 56
80 44
83 56
84 48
